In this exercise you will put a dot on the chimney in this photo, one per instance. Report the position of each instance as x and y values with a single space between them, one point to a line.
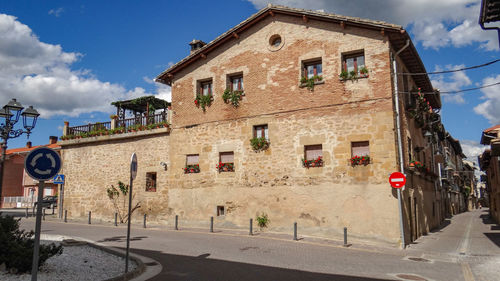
196 45
52 139
28 144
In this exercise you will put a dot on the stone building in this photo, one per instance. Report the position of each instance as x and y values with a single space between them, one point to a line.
489 162
268 118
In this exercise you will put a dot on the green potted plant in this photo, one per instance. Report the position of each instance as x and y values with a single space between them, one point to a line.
353 75
363 72
259 143
344 75
360 160
309 82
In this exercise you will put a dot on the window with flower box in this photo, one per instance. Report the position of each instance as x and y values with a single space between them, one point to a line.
205 87
260 140
312 73
151 182
360 153
353 66
313 156
192 164
226 162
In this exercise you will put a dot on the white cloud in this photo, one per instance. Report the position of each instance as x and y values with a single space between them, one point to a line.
453 82
434 23
490 108
39 74
56 12
472 149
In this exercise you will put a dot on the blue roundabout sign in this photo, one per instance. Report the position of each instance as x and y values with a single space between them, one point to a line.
42 163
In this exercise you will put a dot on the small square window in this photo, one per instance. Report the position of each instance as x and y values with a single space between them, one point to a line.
261 131
220 211
151 182
226 162
353 62
313 156
205 88
360 148
236 82
192 164
312 68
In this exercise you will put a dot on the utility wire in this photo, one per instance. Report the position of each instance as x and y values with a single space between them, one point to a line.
454 70
454 92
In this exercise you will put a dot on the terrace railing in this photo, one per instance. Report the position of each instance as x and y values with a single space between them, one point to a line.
120 123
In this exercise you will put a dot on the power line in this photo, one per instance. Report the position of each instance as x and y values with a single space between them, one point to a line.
454 92
450 71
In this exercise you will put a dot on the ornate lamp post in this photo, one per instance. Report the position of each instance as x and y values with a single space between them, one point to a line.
9 115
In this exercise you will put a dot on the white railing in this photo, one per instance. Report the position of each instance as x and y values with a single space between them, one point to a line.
18 201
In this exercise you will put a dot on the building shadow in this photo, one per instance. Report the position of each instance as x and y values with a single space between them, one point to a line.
494 237
200 268
443 225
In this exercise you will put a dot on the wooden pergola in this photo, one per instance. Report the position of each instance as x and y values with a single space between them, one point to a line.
139 106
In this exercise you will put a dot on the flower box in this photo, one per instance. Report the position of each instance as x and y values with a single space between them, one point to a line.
360 160
225 167
191 169
318 162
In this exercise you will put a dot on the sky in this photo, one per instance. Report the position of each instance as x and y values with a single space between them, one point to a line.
71 59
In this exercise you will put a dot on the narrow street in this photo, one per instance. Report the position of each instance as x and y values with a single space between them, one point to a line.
467 248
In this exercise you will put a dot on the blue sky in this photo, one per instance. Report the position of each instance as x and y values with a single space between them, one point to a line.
70 59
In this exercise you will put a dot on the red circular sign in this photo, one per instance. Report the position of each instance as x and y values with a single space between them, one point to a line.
397 179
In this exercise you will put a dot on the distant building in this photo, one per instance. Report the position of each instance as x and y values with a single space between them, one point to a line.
18 188
489 163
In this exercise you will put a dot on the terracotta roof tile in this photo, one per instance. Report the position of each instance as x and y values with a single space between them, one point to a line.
28 149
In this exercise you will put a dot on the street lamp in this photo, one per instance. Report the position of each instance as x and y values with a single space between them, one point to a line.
9 115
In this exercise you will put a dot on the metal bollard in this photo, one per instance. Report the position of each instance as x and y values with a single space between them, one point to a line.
295 231
145 220
65 215
211 224
251 227
90 216
116 219
345 237
53 209
176 222
43 213
27 212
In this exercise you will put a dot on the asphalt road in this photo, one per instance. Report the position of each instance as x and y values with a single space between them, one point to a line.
466 249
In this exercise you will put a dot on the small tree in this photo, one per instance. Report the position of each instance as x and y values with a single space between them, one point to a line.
16 247
114 196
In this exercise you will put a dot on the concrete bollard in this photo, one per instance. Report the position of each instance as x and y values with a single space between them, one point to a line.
251 227
145 220
116 219
90 217
43 213
65 215
295 231
27 212
176 222
211 224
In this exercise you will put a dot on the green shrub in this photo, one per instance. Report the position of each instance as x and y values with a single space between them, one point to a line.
262 220
17 247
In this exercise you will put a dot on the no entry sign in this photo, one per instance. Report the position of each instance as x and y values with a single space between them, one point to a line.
397 179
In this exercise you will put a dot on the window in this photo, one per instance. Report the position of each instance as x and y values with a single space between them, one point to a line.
313 156
236 82
220 211
205 88
260 131
226 162
192 164
312 68
353 62
151 182
360 148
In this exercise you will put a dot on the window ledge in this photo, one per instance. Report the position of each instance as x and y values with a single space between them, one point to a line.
303 85
359 77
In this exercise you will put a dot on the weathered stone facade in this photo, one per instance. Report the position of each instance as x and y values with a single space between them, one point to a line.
336 113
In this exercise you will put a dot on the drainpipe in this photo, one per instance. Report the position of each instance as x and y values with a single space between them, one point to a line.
400 143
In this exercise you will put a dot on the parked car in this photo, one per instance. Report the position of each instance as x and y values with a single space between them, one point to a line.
48 202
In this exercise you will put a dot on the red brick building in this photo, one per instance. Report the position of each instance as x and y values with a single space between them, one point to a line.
17 186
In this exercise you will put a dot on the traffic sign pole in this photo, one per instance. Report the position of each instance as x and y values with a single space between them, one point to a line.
133 174
41 164
38 228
